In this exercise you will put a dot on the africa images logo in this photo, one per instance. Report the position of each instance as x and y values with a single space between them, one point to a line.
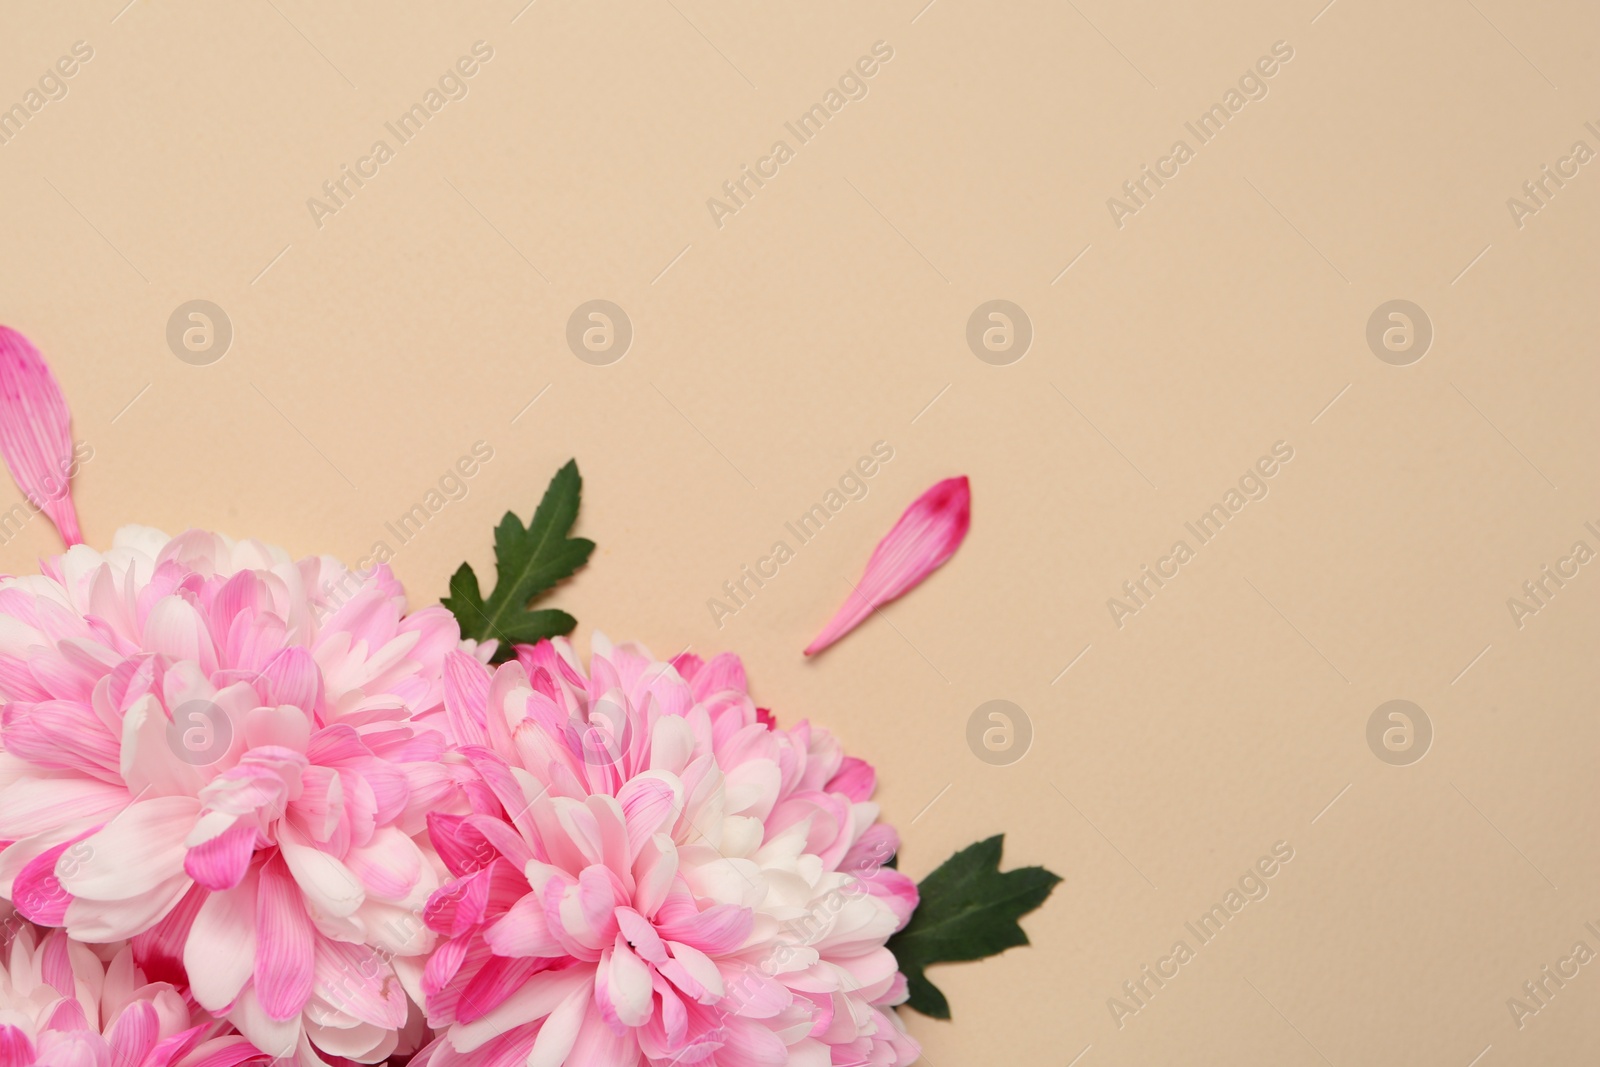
50 88
338 191
1252 887
1252 85
1253 484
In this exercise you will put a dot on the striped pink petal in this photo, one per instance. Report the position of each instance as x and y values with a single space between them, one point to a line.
285 946
15 1048
35 437
929 533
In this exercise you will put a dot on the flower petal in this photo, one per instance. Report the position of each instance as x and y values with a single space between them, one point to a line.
522 931
558 997
134 852
35 434
929 533
284 953
622 986
326 882
276 1037
220 953
355 980
560 1030
720 929
134 1033
466 692
99 921
15 1048
37 893
218 1052
221 862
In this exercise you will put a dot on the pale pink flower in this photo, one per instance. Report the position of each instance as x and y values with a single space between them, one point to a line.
62 1004
927 534
653 872
209 747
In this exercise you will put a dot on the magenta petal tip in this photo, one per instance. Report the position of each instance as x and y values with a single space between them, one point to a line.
35 432
929 533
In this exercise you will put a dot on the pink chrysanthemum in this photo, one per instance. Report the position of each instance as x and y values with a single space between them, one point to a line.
217 751
62 1005
653 872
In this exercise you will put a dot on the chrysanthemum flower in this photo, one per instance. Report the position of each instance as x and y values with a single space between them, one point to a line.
269 813
210 747
62 1005
655 873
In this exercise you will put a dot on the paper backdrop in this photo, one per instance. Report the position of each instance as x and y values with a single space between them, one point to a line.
1307 292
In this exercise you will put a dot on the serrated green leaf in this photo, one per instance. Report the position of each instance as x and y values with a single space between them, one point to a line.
529 561
968 910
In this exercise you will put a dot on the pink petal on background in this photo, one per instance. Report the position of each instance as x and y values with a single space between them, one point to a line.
929 533
35 437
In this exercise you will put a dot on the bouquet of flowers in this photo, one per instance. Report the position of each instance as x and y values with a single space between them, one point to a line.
255 809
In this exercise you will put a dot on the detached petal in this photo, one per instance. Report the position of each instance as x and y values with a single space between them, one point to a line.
929 533
35 434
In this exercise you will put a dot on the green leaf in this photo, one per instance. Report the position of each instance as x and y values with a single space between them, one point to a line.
529 561
968 910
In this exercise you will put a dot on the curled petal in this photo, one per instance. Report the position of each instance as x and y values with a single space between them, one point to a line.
929 533
35 437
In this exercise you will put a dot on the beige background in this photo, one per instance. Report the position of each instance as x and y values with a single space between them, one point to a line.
827 314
